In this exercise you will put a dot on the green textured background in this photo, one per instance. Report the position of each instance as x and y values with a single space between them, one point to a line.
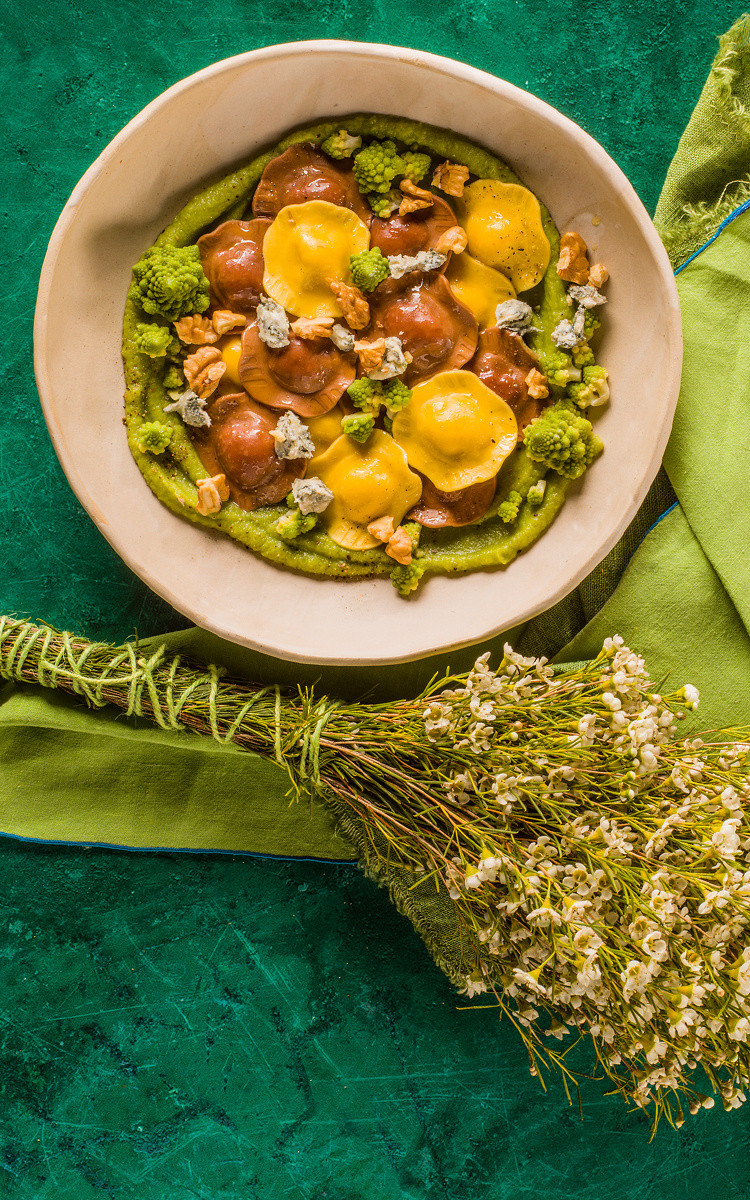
181 1026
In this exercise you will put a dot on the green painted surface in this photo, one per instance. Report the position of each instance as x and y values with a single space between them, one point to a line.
174 1026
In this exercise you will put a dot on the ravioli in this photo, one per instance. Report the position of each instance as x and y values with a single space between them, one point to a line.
306 246
325 429
238 444
304 173
232 258
308 376
437 331
503 222
455 430
438 510
368 482
479 287
416 231
503 362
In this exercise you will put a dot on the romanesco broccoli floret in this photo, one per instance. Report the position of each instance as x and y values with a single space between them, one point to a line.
376 167
582 355
366 394
170 282
593 390
406 579
591 323
386 205
341 144
396 395
154 438
177 352
535 494
154 340
562 376
293 524
358 426
369 394
414 530
369 268
563 440
559 369
174 379
508 510
416 165
565 375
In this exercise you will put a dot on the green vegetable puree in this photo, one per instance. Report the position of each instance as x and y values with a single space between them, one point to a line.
172 475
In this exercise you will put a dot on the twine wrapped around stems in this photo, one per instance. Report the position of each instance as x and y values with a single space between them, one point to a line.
172 691
318 741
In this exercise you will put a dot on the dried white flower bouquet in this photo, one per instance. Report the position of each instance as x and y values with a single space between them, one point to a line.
594 868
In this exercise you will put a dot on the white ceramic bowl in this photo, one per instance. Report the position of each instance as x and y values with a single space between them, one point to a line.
221 116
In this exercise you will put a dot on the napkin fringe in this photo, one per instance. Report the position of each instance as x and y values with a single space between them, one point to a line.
683 224
704 219
729 64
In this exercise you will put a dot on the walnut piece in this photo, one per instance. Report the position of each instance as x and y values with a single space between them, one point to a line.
450 178
408 205
537 384
452 241
382 529
414 198
355 308
400 546
223 320
598 275
573 263
411 189
312 327
196 330
211 494
203 370
371 354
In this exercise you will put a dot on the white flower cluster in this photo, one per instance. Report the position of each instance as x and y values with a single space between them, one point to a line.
604 867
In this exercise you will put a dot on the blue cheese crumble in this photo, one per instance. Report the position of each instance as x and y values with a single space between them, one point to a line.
292 438
342 338
515 315
394 361
566 336
191 408
311 495
425 260
273 324
579 321
586 295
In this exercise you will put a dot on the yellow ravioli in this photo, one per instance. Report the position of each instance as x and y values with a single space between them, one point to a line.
231 352
307 245
479 287
455 430
503 222
368 482
326 429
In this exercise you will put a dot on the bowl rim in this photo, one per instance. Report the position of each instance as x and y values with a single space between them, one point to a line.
621 188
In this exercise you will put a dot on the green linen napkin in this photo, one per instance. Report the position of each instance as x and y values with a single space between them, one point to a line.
678 593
